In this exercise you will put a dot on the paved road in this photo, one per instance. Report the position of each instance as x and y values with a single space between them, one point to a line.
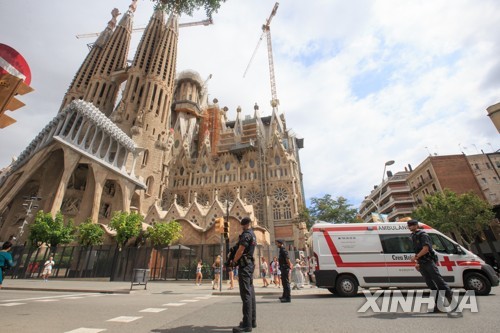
183 307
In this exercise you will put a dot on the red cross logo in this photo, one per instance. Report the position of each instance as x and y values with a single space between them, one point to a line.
448 263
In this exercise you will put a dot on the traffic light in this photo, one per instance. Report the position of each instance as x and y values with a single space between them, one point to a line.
226 229
15 77
10 86
219 225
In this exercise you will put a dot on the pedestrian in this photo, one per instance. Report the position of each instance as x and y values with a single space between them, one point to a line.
285 267
275 267
199 274
216 268
245 261
47 268
297 276
228 265
312 267
424 263
5 259
263 271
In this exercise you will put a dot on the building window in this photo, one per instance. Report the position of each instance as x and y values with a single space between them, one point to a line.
434 187
280 194
149 185
145 158
477 166
484 181
276 211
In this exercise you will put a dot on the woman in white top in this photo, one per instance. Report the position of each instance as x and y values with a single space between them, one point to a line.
263 271
199 274
297 276
47 268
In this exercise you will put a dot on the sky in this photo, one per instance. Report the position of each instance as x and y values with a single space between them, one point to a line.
362 81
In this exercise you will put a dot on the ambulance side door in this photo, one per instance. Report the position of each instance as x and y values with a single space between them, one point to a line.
398 249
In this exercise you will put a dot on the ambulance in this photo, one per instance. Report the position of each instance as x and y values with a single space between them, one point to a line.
369 255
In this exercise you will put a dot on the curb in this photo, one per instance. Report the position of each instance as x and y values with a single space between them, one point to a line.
71 290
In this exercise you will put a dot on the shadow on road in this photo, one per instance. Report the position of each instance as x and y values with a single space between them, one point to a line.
193 328
394 315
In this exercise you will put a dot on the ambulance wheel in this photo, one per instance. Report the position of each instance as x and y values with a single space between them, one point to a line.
477 282
346 286
332 290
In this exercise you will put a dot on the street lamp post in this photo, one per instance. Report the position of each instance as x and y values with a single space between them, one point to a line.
375 204
391 162
29 204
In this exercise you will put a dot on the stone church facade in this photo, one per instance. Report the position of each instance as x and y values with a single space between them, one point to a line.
138 136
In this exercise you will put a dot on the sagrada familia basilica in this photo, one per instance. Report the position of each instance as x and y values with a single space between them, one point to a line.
141 137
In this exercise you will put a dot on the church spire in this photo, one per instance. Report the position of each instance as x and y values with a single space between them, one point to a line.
103 88
82 77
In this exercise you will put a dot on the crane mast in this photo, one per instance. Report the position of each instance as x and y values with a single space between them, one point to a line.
266 31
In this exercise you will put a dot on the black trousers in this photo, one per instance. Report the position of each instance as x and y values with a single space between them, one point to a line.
285 281
247 294
433 278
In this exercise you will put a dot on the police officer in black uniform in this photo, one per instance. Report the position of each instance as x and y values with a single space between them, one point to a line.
244 259
285 267
422 245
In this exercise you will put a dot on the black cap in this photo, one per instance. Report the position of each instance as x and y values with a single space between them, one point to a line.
245 221
412 222
280 241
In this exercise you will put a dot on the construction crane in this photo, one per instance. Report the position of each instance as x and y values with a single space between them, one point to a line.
181 25
266 30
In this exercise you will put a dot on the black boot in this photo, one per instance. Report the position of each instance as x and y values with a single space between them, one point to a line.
238 329
254 325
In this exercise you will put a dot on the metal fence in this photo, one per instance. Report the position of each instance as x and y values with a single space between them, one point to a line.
106 261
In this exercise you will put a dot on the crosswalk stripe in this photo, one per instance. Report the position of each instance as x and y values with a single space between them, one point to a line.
87 330
124 319
153 310
174 304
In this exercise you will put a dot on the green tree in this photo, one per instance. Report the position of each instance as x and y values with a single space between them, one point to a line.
51 230
163 233
305 216
89 233
465 215
126 225
189 6
332 210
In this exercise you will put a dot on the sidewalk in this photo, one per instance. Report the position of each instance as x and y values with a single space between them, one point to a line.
121 287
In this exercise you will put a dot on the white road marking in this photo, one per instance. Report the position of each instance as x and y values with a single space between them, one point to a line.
153 310
190 300
87 330
46 300
46 297
74 297
11 304
124 319
203 297
174 304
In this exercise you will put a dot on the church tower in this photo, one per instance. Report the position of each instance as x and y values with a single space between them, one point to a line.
143 112
98 79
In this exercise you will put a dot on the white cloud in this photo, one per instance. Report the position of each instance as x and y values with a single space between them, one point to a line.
362 81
